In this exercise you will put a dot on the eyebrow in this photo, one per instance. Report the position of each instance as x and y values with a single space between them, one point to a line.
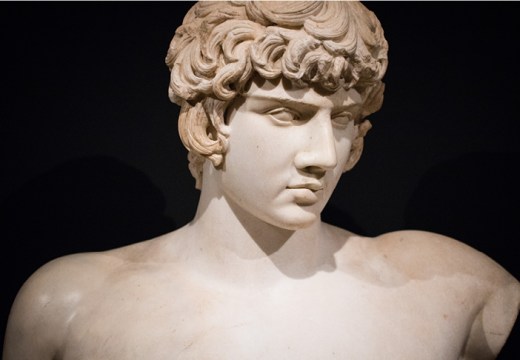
283 101
299 103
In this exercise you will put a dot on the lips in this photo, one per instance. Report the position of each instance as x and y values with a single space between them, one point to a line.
305 192
309 185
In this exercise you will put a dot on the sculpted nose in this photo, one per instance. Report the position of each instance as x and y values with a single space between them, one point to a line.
319 151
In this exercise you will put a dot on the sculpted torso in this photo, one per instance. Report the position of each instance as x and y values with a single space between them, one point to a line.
371 297
256 274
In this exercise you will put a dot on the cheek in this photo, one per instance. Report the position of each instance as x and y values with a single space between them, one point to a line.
343 148
259 145
250 160
251 153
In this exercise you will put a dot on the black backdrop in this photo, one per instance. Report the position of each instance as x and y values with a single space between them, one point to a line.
91 159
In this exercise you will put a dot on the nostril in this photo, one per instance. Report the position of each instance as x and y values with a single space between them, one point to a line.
317 171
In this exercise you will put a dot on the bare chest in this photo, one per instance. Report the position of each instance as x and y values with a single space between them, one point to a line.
324 320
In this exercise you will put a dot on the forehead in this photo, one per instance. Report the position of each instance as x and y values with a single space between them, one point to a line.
284 90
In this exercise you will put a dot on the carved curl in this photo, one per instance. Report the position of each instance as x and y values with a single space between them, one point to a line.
219 47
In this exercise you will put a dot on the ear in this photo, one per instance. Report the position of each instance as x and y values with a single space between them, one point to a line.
357 145
355 154
216 130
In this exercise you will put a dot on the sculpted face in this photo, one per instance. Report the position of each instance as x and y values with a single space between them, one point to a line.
287 150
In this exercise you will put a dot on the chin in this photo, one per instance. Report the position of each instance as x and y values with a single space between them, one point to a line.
301 220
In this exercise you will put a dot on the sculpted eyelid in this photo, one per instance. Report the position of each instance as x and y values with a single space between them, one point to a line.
277 109
284 116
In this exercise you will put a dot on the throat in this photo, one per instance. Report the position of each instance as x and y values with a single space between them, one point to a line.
232 242
237 244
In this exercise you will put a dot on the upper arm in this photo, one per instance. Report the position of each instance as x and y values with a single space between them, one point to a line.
39 317
34 328
494 322
495 293
27 335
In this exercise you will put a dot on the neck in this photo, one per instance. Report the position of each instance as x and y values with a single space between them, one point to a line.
232 243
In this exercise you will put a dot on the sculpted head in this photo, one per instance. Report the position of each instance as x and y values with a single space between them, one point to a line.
223 46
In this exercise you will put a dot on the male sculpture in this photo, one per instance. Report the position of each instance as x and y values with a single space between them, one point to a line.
274 98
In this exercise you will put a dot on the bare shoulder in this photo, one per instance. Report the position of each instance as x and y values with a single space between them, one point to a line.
423 255
47 301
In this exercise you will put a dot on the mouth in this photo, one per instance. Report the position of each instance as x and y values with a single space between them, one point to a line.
312 186
306 192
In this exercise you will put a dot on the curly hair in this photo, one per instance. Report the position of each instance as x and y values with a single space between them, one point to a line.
221 45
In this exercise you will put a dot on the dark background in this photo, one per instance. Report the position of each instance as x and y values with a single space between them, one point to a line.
91 159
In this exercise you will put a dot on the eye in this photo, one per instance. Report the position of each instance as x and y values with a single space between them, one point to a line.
284 116
342 119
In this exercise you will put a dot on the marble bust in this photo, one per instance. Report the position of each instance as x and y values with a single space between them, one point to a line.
274 98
